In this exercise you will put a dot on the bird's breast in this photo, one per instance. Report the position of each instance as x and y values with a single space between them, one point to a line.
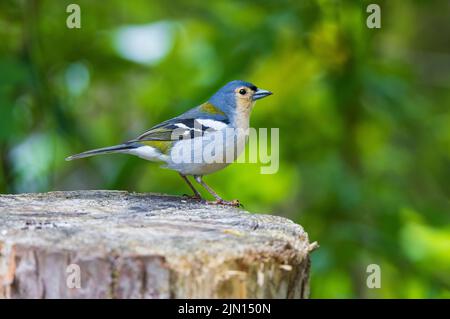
209 153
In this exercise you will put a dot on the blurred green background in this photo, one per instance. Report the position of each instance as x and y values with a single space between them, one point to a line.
363 115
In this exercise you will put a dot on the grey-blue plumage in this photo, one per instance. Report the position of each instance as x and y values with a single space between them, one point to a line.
229 108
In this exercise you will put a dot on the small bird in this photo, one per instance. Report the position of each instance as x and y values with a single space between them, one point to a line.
221 124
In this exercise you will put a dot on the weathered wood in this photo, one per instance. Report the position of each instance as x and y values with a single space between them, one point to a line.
146 246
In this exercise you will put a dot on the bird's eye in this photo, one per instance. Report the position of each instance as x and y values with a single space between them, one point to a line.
242 91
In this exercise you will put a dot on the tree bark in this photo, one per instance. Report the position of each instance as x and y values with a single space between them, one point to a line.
127 245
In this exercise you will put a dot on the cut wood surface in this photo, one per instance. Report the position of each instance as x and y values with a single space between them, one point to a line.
128 245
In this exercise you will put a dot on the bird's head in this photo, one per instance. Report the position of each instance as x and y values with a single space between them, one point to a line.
237 97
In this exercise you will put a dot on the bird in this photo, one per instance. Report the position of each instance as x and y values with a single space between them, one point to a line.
221 124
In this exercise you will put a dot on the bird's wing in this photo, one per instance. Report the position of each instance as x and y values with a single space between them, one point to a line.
193 123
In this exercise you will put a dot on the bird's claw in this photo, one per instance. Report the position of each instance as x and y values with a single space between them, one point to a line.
193 197
234 202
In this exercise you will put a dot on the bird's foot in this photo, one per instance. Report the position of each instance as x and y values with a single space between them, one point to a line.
193 197
234 202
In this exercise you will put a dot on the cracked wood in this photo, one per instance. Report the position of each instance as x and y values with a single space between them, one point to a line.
146 246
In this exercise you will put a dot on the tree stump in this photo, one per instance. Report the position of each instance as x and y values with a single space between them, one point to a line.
115 244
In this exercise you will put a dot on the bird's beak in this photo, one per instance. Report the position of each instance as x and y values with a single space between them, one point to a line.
260 93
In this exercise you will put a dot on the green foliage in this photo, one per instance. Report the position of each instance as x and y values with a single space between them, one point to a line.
363 115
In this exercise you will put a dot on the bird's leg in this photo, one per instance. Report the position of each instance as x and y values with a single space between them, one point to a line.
219 200
196 193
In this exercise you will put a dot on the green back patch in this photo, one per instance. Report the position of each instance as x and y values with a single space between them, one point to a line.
162 146
210 108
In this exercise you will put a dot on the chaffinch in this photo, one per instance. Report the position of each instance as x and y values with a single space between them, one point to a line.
219 125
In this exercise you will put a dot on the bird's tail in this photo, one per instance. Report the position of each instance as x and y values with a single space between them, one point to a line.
122 148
